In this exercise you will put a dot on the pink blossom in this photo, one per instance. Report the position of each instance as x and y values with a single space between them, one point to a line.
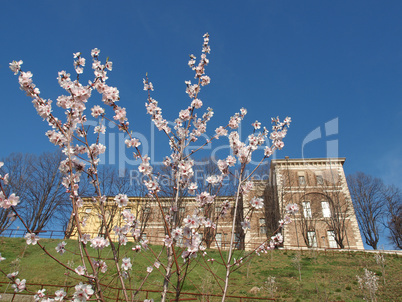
292 208
83 292
231 161
15 66
136 248
268 151
100 129
59 295
95 52
120 114
12 275
80 270
31 238
192 188
148 85
102 265
192 221
99 243
85 238
204 198
256 125
168 241
134 142
121 200
19 285
39 294
245 225
220 131
196 103
177 233
109 65
60 248
126 264
257 203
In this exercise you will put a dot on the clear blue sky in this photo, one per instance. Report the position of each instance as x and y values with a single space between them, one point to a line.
312 60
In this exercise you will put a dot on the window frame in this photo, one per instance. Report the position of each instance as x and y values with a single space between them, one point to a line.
307 209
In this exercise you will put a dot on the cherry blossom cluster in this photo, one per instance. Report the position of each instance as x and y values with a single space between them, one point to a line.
101 265
18 285
83 292
275 240
292 208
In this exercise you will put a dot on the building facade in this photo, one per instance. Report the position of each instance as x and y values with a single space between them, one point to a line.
326 217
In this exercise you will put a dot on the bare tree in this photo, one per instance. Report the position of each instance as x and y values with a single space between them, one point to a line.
17 167
45 198
368 199
393 222
38 183
272 213
340 206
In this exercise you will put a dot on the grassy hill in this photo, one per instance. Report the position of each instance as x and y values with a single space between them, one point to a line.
325 276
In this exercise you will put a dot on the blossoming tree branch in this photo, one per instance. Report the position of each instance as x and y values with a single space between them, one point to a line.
183 240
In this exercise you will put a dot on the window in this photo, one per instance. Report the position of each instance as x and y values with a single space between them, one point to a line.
326 211
218 210
302 180
263 227
312 240
237 241
147 209
320 179
306 209
143 237
182 210
166 210
218 239
331 240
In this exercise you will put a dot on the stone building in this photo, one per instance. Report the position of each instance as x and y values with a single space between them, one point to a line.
326 218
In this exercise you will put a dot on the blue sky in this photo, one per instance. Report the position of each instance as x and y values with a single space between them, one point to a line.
315 61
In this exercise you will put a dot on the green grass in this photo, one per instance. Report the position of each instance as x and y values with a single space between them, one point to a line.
325 276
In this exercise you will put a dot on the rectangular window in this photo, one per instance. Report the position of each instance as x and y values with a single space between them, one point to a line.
147 209
218 239
143 237
312 240
326 211
166 210
331 240
320 179
263 227
302 180
306 209
237 241
182 210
